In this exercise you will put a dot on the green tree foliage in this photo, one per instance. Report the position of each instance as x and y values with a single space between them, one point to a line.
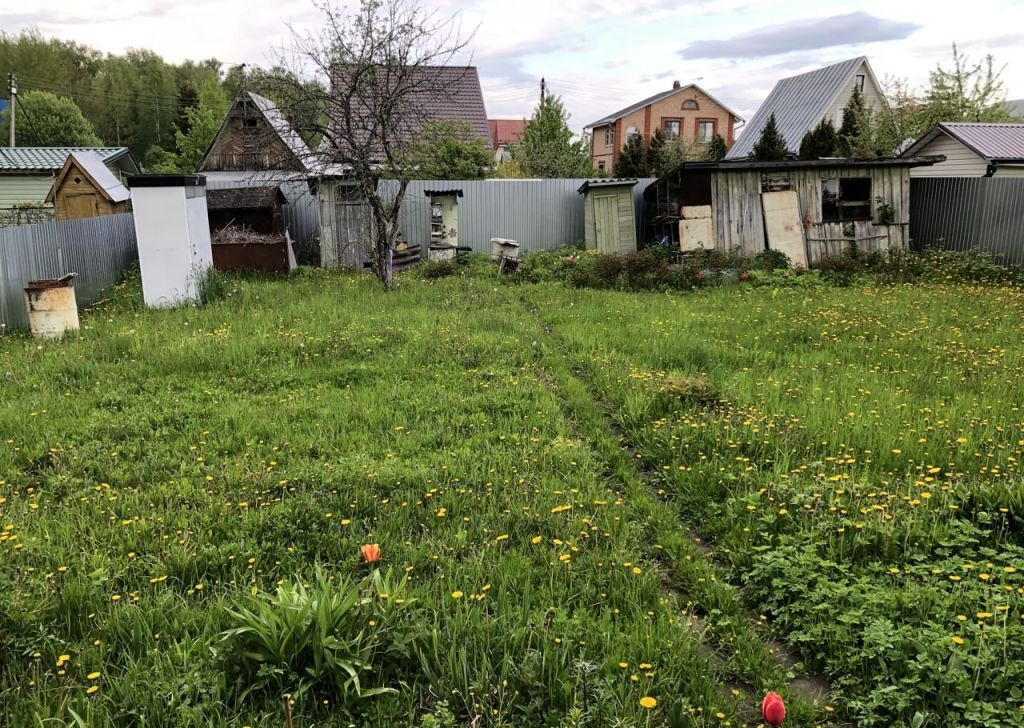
664 156
716 149
202 124
633 158
47 120
821 141
548 148
771 146
447 150
964 90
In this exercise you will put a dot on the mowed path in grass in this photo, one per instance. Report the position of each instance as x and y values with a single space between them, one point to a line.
853 458
163 466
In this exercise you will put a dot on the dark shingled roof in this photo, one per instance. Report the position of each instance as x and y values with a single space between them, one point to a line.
244 198
992 141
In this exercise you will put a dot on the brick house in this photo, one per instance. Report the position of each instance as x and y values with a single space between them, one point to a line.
686 114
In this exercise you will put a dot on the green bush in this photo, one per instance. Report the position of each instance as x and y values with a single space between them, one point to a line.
431 269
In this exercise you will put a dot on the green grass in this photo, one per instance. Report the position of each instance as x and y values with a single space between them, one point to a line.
164 472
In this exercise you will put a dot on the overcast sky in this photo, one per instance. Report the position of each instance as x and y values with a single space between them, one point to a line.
599 55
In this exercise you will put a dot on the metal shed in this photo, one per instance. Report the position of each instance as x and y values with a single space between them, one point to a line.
609 216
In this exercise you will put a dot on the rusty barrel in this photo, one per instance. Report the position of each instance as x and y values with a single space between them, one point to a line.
52 308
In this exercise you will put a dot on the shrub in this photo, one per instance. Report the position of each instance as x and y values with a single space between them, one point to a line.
551 265
770 260
431 269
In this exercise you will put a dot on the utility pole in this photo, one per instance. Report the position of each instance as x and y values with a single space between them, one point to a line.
543 89
12 103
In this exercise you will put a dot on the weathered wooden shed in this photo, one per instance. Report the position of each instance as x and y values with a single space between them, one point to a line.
609 215
85 187
805 208
259 209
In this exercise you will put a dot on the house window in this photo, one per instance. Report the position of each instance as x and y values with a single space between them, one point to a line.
690 105
846 199
706 130
860 83
671 130
250 123
632 132
600 165
609 136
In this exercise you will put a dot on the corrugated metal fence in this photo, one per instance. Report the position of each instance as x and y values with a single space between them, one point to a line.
99 249
961 213
539 214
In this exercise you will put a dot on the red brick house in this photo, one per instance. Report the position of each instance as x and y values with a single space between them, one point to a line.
686 114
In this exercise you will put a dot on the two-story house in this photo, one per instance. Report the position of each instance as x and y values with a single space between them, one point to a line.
685 114
801 102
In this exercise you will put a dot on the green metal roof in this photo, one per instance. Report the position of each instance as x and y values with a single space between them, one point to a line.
37 159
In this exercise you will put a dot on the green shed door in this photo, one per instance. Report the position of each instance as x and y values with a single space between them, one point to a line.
606 220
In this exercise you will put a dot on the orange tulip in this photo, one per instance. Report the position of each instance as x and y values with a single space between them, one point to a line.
371 552
773 710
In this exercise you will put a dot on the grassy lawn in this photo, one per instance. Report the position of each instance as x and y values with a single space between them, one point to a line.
184 494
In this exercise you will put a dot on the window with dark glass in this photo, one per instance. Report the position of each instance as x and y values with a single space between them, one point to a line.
671 130
690 105
860 83
846 199
706 131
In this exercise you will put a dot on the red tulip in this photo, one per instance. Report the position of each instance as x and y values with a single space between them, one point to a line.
773 710
371 552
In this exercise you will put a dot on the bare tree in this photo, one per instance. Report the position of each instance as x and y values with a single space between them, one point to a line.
383 65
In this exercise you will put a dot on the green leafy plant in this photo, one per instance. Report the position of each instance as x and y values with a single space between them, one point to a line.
305 637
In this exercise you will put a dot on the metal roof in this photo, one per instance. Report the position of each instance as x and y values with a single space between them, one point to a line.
748 165
506 131
995 142
657 97
50 159
283 128
92 164
799 103
608 182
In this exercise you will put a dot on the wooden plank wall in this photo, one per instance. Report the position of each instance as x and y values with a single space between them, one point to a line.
739 219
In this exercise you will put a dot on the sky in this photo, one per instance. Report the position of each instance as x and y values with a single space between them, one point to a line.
598 55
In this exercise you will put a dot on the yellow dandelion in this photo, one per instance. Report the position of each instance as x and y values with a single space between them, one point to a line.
457 595
648 702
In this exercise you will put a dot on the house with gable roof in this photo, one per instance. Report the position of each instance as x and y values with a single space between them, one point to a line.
972 149
686 114
801 102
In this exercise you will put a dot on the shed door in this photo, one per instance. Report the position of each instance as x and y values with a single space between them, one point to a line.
352 233
81 206
783 224
606 220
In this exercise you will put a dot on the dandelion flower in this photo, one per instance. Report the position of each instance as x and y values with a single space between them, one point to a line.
457 595
648 702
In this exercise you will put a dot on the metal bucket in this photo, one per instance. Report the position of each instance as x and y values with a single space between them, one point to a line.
52 308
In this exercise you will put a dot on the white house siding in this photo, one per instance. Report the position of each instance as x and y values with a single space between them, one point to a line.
873 96
1010 171
18 189
960 161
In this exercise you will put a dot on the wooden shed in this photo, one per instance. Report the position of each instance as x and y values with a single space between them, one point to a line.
85 187
805 208
609 214
257 208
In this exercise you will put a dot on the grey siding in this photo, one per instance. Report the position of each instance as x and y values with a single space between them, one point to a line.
539 214
873 98
18 189
960 161
99 249
960 213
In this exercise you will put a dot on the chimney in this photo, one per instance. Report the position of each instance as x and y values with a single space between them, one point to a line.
676 85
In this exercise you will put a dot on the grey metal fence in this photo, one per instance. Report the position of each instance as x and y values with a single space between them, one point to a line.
539 214
98 249
961 213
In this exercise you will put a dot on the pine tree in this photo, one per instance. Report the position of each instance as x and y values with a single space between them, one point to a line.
548 148
853 128
716 149
771 147
820 141
633 160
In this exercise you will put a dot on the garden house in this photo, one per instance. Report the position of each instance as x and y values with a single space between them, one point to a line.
85 187
609 215
805 208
